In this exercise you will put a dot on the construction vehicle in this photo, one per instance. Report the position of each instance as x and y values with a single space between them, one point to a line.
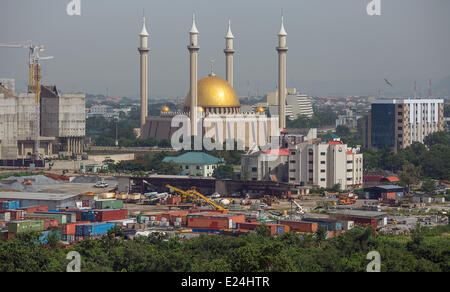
299 209
34 83
27 182
194 195
270 200
347 199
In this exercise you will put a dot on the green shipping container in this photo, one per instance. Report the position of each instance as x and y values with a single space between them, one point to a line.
109 204
61 218
25 226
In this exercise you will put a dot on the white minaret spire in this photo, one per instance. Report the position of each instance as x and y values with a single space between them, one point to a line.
143 51
193 52
229 51
282 51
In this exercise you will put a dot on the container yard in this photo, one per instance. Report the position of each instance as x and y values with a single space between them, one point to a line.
189 213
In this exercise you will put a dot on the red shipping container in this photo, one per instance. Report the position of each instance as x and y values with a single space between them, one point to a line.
111 215
69 228
34 209
15 214
214 222
300 226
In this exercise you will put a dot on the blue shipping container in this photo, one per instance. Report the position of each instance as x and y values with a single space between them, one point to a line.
206 230
43 239
93 229
11 205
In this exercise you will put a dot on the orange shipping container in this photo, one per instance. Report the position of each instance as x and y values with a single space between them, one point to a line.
301 226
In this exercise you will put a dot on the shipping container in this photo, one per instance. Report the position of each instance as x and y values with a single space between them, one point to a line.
93 229
10 205
109 204
61 218
43 239
300 226
70 216
25 226
33 209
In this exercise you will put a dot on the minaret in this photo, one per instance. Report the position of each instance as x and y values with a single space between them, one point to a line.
229 51
193 52
143 51
282 51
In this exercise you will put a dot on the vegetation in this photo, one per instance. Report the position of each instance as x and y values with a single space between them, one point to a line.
224 172
147 162
318 120
432 158
426 250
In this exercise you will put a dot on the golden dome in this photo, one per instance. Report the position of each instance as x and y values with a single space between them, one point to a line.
259 109
165 109
214 91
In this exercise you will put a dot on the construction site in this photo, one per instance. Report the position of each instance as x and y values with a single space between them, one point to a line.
40 123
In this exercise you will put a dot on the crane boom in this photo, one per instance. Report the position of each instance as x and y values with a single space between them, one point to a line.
34 83
195 194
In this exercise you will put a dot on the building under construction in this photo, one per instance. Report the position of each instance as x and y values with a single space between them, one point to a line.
61 127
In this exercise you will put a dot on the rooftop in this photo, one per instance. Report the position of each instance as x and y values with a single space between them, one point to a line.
194 158
34 196
359 213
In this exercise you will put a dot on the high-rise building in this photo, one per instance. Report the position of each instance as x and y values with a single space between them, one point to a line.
398 123
311 163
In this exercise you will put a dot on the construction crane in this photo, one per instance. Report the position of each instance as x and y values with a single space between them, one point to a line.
299 208
195 195
34 82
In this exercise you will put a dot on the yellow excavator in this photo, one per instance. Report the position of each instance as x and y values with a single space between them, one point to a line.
194 195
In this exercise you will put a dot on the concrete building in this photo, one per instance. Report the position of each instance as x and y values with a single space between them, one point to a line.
296 104
269 165
310 163
398 123
62 123
63 116
349 119
324 165
196 163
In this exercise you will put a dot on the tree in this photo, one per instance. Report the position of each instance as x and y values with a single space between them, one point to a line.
342 131
437 138
320 234
428 186
409 175
224 172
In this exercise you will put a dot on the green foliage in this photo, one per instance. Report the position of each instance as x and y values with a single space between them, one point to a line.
148 162
434 162
224 172
428 186
319 119
425 250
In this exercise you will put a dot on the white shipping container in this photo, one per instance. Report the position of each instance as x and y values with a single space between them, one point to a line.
5 216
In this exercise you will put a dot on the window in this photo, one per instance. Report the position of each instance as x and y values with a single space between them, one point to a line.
198 167
292 170
322 153
322 162
310 170
400 128
253 178
254 169
322 170
187 167
292 161
349 170
322 179
400 121
292 178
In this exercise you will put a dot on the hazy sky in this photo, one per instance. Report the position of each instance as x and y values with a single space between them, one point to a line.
334 46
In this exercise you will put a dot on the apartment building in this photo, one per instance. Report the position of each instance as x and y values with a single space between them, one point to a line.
400 122
313 163
321 164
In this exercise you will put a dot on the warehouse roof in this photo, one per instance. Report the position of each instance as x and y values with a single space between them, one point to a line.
360 213
34 196
194 158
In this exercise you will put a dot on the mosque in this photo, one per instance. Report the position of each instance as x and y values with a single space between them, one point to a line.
212 107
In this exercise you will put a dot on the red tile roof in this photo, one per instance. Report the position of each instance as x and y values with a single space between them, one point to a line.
278 152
